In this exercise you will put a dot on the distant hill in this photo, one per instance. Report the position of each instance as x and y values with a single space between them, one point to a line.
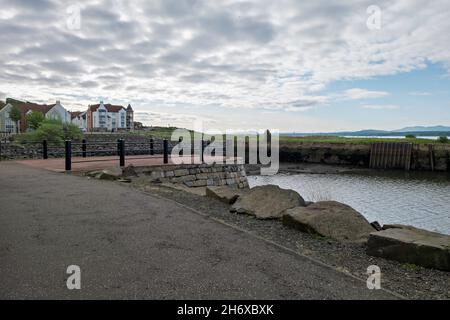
417 131
423 129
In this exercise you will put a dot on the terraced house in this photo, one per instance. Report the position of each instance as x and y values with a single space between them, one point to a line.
50 111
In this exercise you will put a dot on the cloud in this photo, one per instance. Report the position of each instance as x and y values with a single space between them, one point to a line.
357 94
266 55
380 107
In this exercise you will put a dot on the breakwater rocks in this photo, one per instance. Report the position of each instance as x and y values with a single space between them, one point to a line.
422 157
334 220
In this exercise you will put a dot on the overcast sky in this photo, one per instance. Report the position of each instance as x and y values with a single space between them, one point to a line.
288 65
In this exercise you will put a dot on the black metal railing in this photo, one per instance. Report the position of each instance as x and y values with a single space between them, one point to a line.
155 148
72 151
152 148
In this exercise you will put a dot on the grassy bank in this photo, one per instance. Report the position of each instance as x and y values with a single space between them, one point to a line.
357 140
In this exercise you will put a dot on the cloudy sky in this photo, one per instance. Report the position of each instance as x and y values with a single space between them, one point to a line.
288 65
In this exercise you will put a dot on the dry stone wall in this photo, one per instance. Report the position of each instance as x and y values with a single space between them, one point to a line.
197 175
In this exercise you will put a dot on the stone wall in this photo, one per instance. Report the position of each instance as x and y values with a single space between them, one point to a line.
197 175
359 155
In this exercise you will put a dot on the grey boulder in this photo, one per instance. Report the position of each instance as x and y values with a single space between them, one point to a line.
110 174
267 202
330 219
411 245
225 194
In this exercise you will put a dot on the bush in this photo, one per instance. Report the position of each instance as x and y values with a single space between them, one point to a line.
34 119
54 131
443 139
410 136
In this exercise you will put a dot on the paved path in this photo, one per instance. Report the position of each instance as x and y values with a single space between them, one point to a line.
102 162
133 245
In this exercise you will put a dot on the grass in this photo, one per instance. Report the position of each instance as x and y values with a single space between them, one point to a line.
411 267
356 140
160 132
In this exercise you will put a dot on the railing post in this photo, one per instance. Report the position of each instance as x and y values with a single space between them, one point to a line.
44 149
118 147
83 147
0 149
152 152
202 151
179 143
68 148
122 152
166 151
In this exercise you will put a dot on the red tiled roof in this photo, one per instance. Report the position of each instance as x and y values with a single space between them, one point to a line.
109 107
74 114
24 107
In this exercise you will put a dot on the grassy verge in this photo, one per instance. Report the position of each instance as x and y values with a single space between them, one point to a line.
356 140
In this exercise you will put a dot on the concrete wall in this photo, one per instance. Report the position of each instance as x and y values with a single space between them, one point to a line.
197 175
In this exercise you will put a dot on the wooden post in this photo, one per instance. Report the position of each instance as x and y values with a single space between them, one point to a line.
431 151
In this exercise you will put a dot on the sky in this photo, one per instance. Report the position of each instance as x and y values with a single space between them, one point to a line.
304 66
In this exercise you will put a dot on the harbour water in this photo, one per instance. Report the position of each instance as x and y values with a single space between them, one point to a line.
418 199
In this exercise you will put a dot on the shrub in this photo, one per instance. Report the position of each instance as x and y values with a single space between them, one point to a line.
443 139
34 119
54 131
410 136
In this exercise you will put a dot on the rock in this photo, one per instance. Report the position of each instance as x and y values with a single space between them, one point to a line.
330 219
308 203
376 225
411 245
223 193
397 226
129 171
199 183
180 172
93 174
267 202
110 174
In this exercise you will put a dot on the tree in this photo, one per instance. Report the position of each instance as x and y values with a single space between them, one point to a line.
15 115
34 119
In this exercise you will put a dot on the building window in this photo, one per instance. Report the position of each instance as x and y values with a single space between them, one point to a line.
102 118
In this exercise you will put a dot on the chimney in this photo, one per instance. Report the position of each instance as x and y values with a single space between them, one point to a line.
58 102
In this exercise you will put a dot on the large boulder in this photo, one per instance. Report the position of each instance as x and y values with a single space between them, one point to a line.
411 245
225 194
129 171
267 202
113 173
330 219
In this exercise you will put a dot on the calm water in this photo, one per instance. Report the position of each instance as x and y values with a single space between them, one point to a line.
421 200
